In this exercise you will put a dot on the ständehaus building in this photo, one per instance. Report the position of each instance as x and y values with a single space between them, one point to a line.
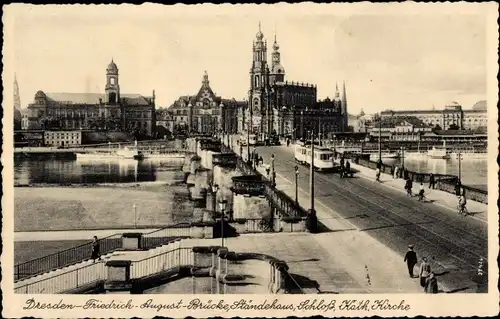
111 111
278 106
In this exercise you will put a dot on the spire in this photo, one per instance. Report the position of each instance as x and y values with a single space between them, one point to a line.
205 79
337 94
17 99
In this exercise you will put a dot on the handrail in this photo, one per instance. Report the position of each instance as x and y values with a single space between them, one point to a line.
60 259
79 279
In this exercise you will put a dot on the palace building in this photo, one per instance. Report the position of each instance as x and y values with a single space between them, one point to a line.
112 111
205 112
282 107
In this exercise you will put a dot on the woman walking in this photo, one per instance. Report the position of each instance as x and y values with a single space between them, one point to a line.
95 249
425 271
431 285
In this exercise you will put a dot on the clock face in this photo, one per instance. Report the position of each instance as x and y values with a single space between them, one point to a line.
206 102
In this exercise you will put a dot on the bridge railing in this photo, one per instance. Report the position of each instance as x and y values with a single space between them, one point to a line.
178 257
65 281
107 245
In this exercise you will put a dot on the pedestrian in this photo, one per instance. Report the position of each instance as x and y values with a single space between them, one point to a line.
342 161
396 168
411 260
95 249
421 191
458 185
431 285
347 166
425 271
377 174
432 181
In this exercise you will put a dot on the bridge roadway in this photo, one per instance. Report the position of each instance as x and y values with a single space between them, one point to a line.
454 243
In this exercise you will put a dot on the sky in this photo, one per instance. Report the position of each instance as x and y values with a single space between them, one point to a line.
389 57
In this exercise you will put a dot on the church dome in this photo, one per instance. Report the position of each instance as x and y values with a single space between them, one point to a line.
481 105
276 46
112 67
40 95
259 35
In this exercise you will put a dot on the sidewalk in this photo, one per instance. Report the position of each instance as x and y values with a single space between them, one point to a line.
354 250
434 196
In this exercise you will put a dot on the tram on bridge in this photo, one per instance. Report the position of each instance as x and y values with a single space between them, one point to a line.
323 157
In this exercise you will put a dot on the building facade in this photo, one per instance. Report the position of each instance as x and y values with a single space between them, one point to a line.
278 106
205 112
62 138
112 110
453 116
401 128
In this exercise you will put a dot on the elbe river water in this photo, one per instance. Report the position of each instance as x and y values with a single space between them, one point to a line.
56 171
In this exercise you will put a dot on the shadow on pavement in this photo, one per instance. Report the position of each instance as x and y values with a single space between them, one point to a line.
296 283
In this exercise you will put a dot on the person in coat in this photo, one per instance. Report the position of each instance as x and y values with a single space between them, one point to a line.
432 181
95 249
410 260
431 285
425 271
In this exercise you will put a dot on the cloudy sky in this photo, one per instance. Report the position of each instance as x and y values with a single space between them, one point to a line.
395 57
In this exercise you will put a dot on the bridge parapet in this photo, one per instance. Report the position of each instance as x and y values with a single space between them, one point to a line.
252 185
227 160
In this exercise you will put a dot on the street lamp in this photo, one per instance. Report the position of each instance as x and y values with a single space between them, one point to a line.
296 184
222 207
459 165
135 215
273 172
311 218
215 189
402 161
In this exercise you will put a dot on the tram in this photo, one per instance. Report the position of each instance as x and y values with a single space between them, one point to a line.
323 157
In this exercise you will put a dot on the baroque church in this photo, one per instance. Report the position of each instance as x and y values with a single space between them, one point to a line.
112 111
277 106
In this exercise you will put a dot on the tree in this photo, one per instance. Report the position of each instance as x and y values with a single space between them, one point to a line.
453 127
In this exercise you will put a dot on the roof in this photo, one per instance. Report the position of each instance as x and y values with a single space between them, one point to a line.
481 105
390 122
94 98
458 132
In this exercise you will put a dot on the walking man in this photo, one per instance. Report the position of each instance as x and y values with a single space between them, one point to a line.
425 271
411 260
95 249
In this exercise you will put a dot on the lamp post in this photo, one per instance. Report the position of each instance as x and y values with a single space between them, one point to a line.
135 215
222 206
460 165
380 140
273 172
311 182
402 161
215 189
296 184
312 222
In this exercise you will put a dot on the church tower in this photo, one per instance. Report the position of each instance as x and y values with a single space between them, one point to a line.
17 100
345 115
112 86
259 78
277 70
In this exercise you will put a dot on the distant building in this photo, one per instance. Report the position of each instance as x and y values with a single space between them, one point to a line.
283 107
62 138
24 119
453 116
205 112
110 111
164 122
361 123
400 128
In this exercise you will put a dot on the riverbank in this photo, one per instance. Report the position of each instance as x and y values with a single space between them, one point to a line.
105 206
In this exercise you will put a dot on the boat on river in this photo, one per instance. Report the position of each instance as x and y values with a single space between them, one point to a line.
122 153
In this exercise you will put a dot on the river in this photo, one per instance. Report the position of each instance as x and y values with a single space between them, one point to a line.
65 171
474 171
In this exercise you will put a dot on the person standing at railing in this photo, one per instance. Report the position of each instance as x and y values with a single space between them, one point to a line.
432 181
95 249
